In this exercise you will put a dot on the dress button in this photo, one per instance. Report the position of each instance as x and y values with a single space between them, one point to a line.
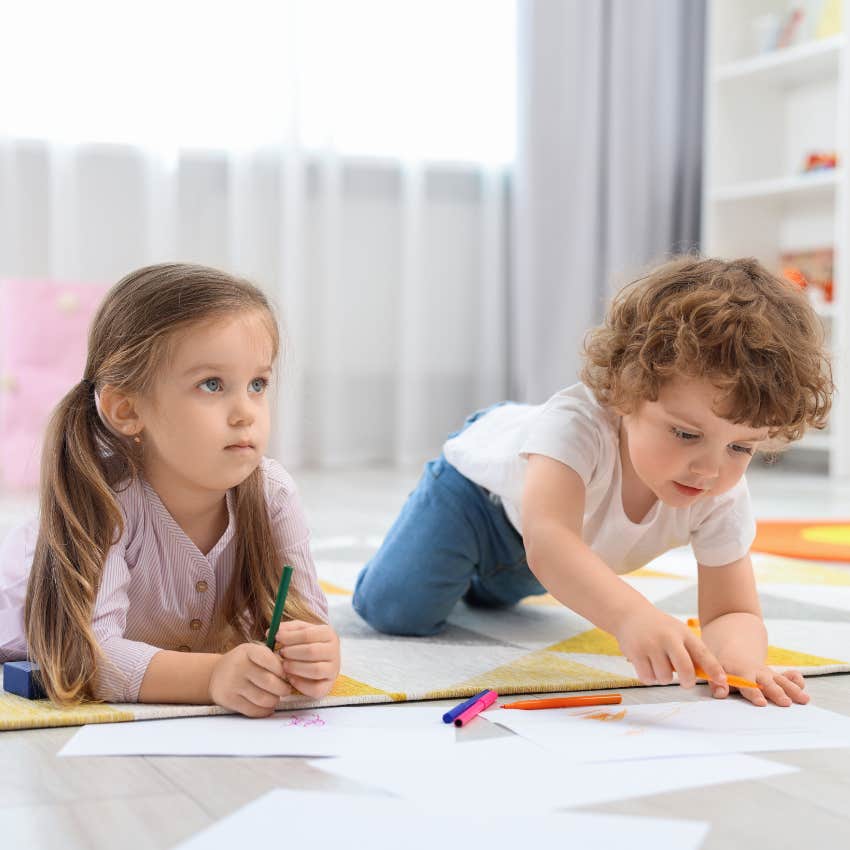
183 648
201 587
195 625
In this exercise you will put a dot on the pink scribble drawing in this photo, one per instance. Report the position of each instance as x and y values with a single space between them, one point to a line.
305 720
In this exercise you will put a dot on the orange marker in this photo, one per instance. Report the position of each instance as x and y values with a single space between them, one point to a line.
567 702
737 681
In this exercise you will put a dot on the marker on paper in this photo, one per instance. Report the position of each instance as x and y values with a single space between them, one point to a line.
450 715
737 681
476 708
566 702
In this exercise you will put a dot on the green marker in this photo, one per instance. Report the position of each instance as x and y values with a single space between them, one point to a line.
280 601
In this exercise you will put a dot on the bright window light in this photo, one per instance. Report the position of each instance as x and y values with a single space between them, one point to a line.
410 78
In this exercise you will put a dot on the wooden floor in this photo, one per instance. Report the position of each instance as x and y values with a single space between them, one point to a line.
52 803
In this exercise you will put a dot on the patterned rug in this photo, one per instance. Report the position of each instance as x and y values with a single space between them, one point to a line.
822 540
537 647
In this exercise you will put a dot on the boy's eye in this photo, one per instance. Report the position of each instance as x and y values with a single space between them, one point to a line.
212 385
258 385
745 450
684 435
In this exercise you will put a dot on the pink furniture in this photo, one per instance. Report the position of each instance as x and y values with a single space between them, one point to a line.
43 335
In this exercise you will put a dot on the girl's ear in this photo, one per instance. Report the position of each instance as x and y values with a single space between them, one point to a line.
119 411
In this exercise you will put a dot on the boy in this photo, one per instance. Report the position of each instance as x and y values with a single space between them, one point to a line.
697 366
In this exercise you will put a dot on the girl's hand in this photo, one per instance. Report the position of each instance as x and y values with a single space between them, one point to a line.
310 656
659 645
779 688
249 679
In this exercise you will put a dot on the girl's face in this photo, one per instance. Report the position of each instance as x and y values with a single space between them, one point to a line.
207 422
681 449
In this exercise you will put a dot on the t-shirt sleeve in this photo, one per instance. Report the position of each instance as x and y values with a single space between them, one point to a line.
124 662
568 430
725 532
292 535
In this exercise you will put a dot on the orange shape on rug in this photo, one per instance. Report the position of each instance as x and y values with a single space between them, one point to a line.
812 539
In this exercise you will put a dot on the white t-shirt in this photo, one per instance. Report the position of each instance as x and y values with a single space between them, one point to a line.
574 428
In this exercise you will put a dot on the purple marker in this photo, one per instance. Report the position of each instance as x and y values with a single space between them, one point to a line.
449 716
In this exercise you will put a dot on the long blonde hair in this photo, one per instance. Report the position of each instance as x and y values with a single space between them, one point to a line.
83 463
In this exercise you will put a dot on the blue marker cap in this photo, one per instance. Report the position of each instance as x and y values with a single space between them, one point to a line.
450 716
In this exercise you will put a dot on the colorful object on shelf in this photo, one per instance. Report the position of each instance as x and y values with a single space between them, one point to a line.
811 539
830 19
820 161
790 28
811 270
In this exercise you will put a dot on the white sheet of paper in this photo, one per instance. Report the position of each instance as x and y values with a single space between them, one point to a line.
315 820
373 730
513 775
703 727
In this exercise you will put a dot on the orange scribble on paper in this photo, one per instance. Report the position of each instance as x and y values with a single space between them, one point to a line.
605 715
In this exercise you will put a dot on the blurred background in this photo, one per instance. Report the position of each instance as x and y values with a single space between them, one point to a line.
438 196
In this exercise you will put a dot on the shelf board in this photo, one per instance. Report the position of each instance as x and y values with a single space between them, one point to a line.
797 186
789 66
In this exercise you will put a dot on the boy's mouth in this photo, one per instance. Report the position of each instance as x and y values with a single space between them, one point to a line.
686 490
240 447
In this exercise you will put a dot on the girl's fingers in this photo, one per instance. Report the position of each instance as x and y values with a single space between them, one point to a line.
246 707
260 698
309 670
261 656
304 633
269 682
309 652
312 687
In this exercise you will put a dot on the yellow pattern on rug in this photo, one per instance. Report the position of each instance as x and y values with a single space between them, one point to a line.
19 713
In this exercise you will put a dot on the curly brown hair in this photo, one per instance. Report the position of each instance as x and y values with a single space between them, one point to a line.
755 336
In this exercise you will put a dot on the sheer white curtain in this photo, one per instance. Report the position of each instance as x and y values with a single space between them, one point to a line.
608 166
245 145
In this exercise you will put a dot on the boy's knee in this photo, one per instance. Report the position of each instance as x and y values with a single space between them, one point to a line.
392 609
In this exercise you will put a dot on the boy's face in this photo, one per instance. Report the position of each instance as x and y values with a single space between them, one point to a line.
210 398
681 449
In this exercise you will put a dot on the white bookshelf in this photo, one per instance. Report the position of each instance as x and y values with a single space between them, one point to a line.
764 112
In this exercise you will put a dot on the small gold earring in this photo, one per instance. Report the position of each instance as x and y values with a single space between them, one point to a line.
137 440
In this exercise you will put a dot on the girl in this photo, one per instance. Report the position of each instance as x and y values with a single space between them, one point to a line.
151 572
698 365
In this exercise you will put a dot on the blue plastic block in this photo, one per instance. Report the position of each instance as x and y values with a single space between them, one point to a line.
22 678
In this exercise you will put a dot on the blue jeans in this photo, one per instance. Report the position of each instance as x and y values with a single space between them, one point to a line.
451 541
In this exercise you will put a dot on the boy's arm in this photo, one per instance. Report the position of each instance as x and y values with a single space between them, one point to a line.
730 615
732 627
552 516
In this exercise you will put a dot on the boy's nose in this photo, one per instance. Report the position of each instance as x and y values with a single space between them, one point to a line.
706 466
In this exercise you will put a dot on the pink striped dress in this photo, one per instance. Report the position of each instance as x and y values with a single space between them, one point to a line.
158 590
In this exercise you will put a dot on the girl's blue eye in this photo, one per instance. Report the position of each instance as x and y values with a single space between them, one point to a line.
745 450
684 435
208 382
258 384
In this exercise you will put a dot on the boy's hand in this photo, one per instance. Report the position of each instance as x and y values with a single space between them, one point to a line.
249 679
659 645
310 656
779 688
